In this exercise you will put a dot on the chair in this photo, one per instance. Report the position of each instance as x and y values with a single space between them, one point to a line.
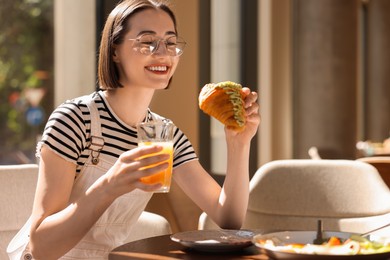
346 195
17 189
382 164
149 225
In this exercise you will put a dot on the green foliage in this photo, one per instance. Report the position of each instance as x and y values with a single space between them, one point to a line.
26 61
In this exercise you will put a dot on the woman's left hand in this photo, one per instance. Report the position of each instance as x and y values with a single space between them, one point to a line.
252 117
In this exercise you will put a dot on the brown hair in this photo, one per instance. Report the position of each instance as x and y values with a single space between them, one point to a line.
113 33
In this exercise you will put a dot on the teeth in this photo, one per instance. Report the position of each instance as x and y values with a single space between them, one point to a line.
158 68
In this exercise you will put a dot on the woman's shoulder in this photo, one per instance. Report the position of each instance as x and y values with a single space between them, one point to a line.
81 101
76 108
68 129
72 116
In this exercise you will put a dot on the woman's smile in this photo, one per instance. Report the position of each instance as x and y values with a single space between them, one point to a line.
158 69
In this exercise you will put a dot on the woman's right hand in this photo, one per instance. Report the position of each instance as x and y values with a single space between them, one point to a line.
124 176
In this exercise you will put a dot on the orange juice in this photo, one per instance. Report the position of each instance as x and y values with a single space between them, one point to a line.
165 176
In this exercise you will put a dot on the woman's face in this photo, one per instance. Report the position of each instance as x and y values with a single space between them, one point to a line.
148 71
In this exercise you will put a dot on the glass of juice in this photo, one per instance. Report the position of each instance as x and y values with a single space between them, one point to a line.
158 133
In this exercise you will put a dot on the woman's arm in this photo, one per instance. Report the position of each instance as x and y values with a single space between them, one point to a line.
227 205
57 227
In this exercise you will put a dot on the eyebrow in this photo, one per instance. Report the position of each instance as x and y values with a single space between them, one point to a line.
153 32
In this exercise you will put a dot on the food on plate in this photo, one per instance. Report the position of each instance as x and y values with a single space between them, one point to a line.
354 245
225 102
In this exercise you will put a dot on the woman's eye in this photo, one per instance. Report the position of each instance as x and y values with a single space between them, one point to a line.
147 42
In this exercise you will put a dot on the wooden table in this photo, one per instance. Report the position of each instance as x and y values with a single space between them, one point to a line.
163 248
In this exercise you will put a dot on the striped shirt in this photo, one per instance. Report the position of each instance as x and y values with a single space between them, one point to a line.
68 133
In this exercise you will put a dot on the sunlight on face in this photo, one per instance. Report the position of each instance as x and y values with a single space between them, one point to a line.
146 71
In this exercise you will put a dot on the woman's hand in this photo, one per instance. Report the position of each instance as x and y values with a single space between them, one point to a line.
252 118
124 176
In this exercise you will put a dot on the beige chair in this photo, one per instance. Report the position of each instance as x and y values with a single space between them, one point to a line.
149 225
346 195
17 189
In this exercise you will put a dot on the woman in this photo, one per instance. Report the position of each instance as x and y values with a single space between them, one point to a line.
89 194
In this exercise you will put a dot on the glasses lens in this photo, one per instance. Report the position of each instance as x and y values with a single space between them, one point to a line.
175 45
148 44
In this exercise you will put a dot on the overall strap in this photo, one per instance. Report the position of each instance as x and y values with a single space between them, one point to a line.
97 141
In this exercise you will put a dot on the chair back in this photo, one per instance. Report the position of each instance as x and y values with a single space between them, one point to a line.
346 195
17 189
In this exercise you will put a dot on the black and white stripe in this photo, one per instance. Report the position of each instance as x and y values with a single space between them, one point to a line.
68 131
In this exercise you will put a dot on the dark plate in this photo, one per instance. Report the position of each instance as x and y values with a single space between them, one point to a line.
215 240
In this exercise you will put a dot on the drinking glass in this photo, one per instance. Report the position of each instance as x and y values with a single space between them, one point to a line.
158 133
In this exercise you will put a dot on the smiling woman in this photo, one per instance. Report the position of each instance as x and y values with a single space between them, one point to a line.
93 139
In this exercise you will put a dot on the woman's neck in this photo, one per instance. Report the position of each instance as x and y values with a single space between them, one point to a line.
130 106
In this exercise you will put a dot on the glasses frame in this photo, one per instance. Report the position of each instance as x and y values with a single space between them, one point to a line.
180 42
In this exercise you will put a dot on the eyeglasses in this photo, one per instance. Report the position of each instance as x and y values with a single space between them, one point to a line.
148 44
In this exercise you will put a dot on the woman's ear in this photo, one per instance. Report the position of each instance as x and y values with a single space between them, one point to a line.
115 56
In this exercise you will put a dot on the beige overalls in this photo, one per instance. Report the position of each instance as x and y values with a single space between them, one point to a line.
114 226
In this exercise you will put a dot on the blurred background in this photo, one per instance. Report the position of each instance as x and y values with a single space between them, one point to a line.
321 67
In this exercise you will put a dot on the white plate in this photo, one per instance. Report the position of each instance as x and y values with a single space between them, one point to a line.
307 237
215 240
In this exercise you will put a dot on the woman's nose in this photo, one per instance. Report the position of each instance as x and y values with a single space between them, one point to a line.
161 50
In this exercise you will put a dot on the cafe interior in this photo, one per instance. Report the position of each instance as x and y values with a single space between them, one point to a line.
322 71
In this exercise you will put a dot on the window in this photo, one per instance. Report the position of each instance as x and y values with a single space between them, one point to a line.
26 76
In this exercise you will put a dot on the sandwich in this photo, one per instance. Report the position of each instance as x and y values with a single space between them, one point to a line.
225 102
